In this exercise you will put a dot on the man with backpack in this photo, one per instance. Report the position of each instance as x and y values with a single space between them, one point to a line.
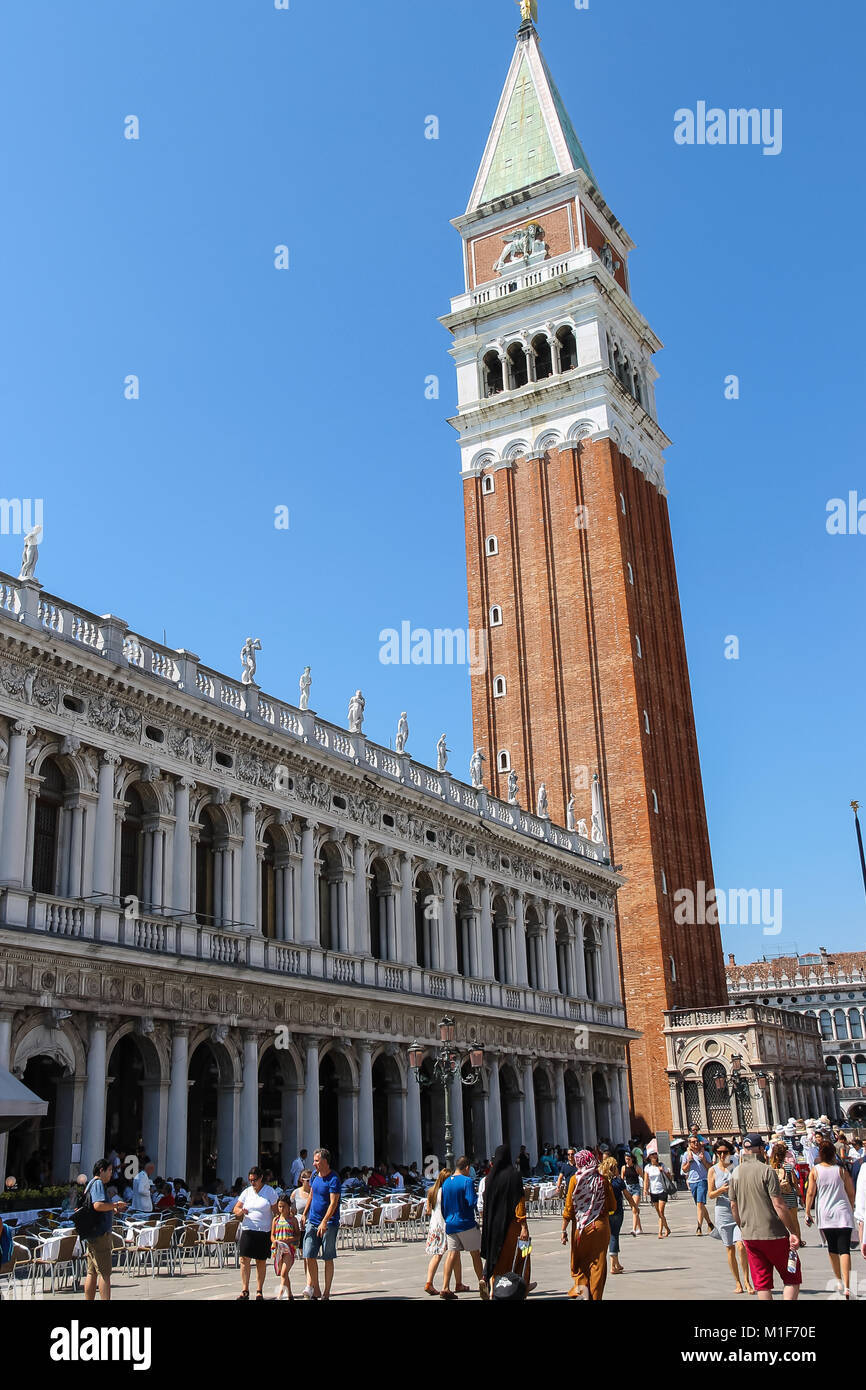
93 1223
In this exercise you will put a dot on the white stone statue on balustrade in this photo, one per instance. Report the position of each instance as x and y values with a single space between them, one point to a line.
598 833
541 808
30 554
357 705
442 751
569 814
476 768
512 787
305 683
248 660
402 734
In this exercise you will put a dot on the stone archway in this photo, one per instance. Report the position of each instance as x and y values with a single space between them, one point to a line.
134 1109
574 1109
337 1106
545 1108
212 1121
511 1103
280 1093
389 1108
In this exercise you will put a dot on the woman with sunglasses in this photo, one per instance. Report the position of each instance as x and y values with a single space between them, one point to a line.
729 1232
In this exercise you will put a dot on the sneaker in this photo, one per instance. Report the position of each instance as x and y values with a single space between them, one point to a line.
308 1289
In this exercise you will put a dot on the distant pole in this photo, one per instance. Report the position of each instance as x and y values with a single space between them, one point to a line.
855 807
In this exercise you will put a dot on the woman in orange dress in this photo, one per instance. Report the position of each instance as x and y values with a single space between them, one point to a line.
588 1204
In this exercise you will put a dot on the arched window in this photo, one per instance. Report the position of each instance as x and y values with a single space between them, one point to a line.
622 504
673 966
46 826
131 847
488 483
717 1097
204 871
496 616
841 1023
630 572
591 964
664 881
562 949
499 687
518 370
333 932
382 910
503 761
567 349
855 1023
826 1023
692 1099
860 1064
426 936
501 941
491 546
493 381
636 391
269 885
543 357
646 723
847 1072
655 801
638 645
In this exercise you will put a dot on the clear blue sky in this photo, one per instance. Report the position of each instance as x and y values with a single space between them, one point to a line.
306 388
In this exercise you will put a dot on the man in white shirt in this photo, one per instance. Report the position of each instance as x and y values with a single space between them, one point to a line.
142 1191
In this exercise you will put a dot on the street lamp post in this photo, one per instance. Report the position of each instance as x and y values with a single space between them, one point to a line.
447 1063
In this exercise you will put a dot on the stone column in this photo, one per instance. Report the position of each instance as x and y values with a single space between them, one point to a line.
457 1131
521 977
590 1138
249 869
76 845
486 927
103 845
414 1144
359 943
93 1128
561 1136
309 904
494 1105
579 959
6 1016
529 1125
550 942
407 952
310 1133
366 1143
157 894
182 873
449 925
228 1134
177 1103
13 839
249 1126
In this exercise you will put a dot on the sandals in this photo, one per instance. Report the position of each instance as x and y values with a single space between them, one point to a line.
242 1296
462 1288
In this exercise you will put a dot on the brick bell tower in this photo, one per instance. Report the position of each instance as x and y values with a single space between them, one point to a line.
570 562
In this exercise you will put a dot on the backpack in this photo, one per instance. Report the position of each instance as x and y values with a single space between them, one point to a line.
511 1286
86 1219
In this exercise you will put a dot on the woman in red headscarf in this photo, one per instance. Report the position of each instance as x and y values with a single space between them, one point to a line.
588 1205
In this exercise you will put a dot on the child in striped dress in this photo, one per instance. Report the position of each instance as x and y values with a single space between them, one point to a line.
285 1239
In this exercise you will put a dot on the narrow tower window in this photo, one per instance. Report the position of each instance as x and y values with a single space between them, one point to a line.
655 801
630 572
622 504
638 645
499 687
543 357
518 370
496 616
567 349
504 761
493 382
491 546
664 882
488 483
646 725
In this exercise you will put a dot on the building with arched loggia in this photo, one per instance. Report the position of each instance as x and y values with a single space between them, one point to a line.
224 921
830 988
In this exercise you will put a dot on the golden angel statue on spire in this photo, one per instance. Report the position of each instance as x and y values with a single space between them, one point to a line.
529 10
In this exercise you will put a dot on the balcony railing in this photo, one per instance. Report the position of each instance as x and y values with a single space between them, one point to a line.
152 934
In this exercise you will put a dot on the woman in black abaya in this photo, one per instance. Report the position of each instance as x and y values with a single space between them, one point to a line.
504 1219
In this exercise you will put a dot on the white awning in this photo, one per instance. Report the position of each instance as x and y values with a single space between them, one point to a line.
17 1103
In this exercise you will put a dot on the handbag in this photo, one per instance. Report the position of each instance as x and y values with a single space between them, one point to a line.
86 1219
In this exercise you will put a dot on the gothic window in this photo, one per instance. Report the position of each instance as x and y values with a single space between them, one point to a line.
491 546
496 616
518 370
567 349
488 483
855 1023
131 846
543 357
46 825
841 1023
499 687
826 1024
493 379
504 761
860 1064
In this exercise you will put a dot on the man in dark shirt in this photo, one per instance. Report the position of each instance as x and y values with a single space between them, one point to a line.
566 1173
523 1162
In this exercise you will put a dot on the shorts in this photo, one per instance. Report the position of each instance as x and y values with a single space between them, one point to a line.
255 1245
656 1197
465 1241
318 1247
699 1190
768 1255
615 1228
98 1255
838 1239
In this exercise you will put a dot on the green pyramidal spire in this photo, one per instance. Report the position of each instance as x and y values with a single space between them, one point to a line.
532 136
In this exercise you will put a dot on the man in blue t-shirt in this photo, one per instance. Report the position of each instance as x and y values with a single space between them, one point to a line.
97 1247
462 1233
321 1218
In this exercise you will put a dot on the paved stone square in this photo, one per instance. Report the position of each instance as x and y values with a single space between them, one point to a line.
678 1268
